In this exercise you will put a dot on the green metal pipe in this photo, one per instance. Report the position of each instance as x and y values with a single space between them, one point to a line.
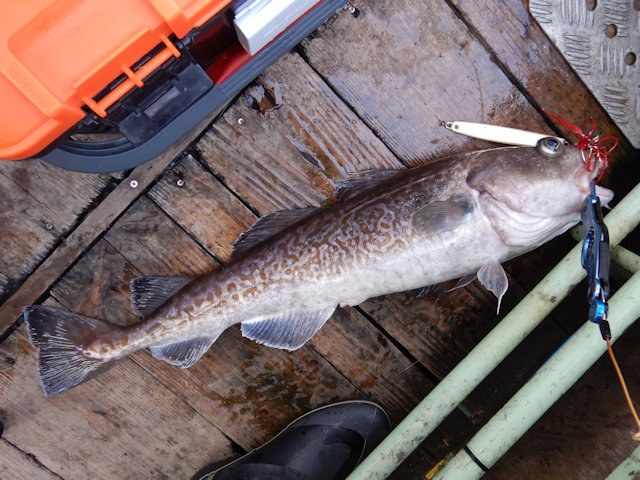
629 469
553 379
461 381
626 259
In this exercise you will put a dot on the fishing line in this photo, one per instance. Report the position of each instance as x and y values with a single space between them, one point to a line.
636 436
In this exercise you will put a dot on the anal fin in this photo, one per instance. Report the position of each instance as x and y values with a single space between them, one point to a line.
288 332
183 354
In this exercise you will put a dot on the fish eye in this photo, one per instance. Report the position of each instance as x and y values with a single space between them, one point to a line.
550 146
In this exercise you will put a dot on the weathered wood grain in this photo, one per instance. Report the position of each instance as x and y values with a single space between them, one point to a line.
95 223
145 229
202 206
17 464
38 205
124 425
407 65
293 142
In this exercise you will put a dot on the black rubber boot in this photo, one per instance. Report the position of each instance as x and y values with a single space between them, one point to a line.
325 444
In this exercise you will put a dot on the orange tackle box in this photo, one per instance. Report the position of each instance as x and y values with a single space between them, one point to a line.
99 86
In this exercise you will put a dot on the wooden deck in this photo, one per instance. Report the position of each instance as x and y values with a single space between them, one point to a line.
363 92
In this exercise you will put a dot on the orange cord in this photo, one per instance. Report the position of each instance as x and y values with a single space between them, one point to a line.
636 436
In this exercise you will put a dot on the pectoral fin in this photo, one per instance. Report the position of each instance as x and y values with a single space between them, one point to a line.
441 216
493 277
288 332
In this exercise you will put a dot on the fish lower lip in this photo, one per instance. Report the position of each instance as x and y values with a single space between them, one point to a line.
604 194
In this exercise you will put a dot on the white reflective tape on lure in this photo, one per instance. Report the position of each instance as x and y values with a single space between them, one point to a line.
494 133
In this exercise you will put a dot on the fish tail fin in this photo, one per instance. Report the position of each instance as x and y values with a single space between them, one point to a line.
60 337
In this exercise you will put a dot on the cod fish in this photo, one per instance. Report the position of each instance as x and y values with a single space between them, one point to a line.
390 231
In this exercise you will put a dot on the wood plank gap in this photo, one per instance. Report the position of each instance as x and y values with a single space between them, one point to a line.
95 223
415 361
31 457
300 51
109 187
193 238
78 241
197 156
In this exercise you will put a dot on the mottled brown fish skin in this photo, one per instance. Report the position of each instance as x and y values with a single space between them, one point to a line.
366 246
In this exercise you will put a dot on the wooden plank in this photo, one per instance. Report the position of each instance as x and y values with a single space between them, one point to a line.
408 65
202 206
38 205
521 47
17 464
124 424
144 230
96 222
289 151
98 286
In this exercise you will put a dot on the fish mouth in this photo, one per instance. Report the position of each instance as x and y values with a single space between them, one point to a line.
583 179
604 194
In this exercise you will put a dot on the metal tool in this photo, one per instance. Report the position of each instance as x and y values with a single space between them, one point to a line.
596 260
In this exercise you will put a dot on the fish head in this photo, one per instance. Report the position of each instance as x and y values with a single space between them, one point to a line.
532 194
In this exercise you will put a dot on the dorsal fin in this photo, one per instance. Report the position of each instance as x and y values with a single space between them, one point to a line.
150 293
268 226
350 187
